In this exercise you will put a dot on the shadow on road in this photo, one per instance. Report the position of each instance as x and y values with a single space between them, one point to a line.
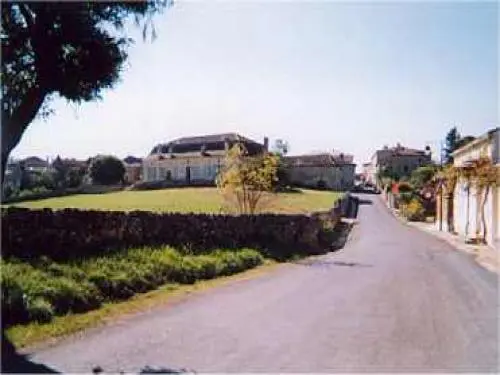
164 370
13 362
364 201
330 263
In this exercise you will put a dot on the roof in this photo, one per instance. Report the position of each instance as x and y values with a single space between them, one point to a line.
132 160
34 160
213 142
399 150
314 160
485 137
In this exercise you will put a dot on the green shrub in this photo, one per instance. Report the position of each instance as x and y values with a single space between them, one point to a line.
405 187
413 211
43 289
405 197
40 310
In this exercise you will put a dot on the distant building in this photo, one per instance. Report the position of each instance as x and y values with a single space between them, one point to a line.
133 169
34 164
334 171
396 161
194 159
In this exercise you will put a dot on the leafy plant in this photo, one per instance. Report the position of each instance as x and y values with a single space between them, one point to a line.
107 170
74 49
43 289
414 210
245 180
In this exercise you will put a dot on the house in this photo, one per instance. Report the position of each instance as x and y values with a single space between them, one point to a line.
35 164
133 169
327 170
466 202
194 160
396 162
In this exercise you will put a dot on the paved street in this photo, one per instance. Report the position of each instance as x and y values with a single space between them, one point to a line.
393 299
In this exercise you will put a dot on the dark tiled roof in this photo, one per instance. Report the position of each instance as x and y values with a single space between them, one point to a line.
215 142
310 160
34 160
132 160
315 160
404 151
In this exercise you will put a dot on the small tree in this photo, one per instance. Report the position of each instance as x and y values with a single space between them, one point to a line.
422 176
245 180
107 170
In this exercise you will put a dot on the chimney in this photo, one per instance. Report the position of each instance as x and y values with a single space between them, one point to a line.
266 143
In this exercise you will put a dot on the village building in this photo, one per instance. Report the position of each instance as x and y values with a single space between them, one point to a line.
194 160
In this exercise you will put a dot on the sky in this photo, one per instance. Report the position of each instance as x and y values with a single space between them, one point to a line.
322 75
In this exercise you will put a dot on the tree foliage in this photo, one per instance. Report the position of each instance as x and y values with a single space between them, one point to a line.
452 138
245 180
480 174
454 141
422 176
107 170
73 49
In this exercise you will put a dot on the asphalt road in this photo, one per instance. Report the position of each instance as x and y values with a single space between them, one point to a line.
393 299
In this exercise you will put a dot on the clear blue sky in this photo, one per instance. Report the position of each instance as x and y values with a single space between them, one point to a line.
322 75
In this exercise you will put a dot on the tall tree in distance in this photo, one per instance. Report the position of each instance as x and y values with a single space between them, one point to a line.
454 141
74 49
452 138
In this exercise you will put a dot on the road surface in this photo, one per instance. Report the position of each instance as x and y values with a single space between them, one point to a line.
393 299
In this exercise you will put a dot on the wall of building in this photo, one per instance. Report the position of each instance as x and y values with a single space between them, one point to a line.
335 177
200 168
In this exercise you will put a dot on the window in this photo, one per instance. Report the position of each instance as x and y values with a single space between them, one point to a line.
405 169
195 172
162 173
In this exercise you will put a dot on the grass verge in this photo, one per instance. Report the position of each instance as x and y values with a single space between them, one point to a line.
37 334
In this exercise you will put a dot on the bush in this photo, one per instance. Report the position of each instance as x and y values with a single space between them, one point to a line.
405 197
405 187
107 170
66 234
413 211
40 310
38 291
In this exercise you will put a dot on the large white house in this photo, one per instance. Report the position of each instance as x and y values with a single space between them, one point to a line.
194 160
466 211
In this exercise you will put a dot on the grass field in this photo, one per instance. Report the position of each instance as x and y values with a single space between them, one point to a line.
198 200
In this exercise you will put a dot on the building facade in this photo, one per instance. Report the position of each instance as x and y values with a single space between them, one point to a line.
330 171
396 161
194 159
133 169
466 202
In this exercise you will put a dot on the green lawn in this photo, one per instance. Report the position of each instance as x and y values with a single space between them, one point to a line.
206 200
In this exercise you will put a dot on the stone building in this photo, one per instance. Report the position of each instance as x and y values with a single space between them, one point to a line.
194 160
334 171
396 161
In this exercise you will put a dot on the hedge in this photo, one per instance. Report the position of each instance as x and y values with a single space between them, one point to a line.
40 290
73 234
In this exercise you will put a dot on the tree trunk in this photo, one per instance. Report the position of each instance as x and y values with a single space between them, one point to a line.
14 124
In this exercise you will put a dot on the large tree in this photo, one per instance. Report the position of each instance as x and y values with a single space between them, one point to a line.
453 142
73 49
452 139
